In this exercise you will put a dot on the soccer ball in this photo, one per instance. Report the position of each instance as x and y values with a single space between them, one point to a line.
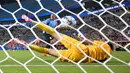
68 20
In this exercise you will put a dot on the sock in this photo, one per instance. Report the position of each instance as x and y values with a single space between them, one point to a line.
39 49
39 25
45 27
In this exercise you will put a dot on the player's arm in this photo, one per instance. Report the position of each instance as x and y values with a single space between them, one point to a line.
86 41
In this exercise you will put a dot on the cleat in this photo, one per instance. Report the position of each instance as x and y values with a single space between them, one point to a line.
26 18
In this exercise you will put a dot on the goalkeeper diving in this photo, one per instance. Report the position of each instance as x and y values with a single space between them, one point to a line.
72 52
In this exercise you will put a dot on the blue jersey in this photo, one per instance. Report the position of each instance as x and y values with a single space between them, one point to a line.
51 23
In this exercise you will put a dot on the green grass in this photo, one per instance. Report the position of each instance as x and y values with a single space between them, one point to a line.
37 64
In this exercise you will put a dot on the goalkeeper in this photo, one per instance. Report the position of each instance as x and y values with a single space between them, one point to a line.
72 53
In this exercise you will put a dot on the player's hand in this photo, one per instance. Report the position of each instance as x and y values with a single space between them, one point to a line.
26 18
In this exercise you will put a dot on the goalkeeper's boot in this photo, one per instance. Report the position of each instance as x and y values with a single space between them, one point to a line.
27 19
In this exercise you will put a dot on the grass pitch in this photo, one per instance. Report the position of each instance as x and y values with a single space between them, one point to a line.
41 64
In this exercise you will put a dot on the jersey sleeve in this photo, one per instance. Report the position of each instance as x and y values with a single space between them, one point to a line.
46 21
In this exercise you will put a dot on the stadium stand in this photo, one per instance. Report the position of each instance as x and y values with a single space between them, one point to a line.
89 19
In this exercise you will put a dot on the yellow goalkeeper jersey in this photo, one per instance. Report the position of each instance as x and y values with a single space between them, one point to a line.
74 53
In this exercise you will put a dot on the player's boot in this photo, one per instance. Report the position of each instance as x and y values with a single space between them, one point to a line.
27 19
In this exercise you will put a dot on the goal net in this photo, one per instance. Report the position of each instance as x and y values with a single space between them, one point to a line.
106 20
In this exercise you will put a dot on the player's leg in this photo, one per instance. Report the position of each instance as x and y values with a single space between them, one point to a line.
44 50
40 25
39 49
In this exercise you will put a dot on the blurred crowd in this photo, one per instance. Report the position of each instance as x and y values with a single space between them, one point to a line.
108 25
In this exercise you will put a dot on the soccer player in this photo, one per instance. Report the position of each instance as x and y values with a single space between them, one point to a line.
72 52
11 44
52 22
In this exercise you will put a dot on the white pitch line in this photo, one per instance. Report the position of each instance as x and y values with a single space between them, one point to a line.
1 71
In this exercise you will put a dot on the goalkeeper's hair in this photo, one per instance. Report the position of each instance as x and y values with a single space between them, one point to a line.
111 45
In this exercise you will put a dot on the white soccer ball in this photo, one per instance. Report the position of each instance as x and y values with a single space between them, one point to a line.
68 20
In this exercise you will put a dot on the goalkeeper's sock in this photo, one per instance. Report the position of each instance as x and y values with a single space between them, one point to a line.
45 27
42 26
39 49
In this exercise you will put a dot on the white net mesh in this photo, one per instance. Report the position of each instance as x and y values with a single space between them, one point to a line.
96 20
